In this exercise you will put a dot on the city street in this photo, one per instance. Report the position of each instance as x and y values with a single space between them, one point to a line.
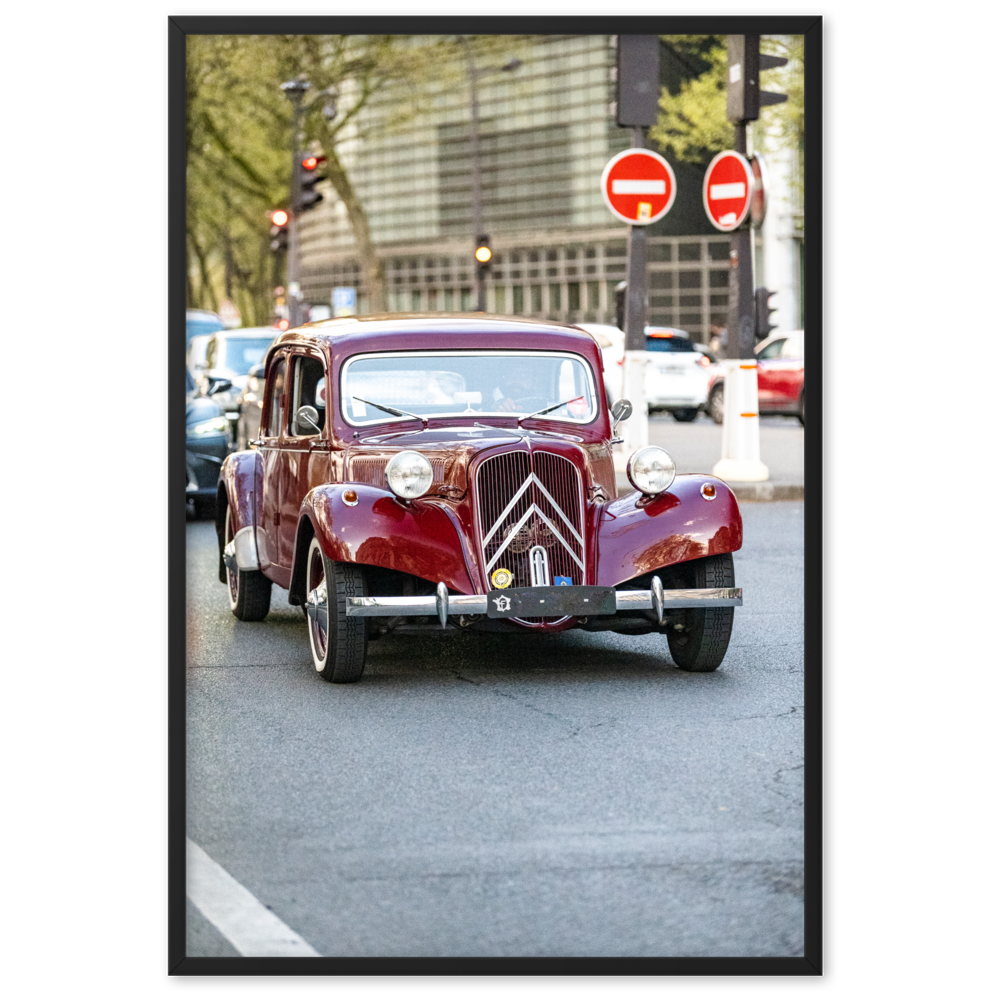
500 795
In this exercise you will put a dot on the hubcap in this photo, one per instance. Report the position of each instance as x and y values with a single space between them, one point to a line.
317 607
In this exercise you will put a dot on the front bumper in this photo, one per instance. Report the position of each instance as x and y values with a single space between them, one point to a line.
528 601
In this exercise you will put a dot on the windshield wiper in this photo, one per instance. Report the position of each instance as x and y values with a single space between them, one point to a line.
392 410
548 409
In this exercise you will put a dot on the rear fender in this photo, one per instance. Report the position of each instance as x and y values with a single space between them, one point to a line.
418 538
636 535
241 493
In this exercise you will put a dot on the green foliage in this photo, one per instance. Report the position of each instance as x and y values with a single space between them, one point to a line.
692 125
239 126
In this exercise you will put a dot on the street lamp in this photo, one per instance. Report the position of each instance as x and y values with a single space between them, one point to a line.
479 236
295 90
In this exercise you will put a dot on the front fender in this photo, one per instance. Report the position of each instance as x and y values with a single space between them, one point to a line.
636 535
418 538
241 480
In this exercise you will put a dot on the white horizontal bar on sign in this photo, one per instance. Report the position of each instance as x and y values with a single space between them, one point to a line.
717 192
639 187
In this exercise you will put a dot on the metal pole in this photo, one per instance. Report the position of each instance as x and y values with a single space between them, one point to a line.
636 429
477 184
293 291
740 322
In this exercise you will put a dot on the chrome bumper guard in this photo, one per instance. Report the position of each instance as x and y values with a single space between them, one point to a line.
444 604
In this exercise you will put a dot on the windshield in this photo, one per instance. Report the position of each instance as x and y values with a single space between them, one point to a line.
242 353
468 383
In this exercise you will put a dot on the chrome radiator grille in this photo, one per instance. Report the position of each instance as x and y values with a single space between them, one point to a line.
531 505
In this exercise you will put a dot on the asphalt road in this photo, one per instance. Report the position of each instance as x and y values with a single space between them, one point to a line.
499 795
697 446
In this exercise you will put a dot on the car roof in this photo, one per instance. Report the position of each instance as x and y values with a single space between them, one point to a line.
779 335
437 331
247 331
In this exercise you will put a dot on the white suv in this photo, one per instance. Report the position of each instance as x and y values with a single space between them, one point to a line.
677 373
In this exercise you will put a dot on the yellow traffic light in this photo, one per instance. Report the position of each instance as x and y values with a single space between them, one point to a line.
483 254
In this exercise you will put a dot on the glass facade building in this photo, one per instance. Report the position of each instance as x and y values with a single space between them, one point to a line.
546 131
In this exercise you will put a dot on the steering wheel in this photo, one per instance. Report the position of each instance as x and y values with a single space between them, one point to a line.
528 404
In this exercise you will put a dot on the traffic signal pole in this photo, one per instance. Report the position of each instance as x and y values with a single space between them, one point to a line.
740 461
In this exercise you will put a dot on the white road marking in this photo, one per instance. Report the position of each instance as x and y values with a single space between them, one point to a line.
718 192
639 187
249 926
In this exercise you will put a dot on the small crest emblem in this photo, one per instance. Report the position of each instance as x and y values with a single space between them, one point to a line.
502 603
502 578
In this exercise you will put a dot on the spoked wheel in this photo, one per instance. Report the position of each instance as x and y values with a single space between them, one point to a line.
698 642
339 644
249 590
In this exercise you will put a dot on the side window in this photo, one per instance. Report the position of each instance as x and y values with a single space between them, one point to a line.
772 350
308 389
276 399
792 348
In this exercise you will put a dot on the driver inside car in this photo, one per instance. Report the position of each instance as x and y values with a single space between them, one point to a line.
518 390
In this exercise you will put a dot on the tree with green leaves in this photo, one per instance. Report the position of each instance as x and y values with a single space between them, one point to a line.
692 123
239 139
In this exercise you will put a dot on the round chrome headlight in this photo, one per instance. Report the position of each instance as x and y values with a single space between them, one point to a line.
651 470
409 474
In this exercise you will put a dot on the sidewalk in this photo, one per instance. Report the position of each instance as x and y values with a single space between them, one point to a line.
697 446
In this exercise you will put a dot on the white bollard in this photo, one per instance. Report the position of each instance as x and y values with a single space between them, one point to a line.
740 462
635 430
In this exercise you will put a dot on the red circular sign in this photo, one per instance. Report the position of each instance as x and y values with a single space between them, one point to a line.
728 190
638 186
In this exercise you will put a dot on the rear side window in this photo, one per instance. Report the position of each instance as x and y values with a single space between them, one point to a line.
669 344
773 350
277 399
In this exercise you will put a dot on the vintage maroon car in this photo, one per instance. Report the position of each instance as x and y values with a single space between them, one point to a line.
429 472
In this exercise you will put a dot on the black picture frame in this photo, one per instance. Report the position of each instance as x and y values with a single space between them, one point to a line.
178 964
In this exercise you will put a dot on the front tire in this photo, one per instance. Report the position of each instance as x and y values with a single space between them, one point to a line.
699 645
802 408
686 415
249 590
339 644
716 404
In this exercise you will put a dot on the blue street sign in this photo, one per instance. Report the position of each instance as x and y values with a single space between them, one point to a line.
344 301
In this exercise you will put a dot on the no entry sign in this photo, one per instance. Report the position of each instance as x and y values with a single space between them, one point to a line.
638 186
729 186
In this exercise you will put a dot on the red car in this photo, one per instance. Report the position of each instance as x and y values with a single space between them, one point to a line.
443 472
780 377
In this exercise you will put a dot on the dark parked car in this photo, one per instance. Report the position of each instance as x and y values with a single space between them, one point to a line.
455 472
207 444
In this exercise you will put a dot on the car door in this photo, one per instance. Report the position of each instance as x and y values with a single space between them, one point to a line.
306 448
768 377
273 419
789 372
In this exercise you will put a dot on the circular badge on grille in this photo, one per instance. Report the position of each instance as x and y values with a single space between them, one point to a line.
501 578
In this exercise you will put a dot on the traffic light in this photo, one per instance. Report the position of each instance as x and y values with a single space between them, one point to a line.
638 90
309 175
744 98
279 230
483 254
762 312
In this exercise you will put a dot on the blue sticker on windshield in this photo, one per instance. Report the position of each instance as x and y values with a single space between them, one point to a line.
564 581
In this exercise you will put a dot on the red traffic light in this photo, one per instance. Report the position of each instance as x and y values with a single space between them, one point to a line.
312 162
279 217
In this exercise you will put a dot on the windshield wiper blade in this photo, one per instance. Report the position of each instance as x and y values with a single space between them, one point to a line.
548 409
392 410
